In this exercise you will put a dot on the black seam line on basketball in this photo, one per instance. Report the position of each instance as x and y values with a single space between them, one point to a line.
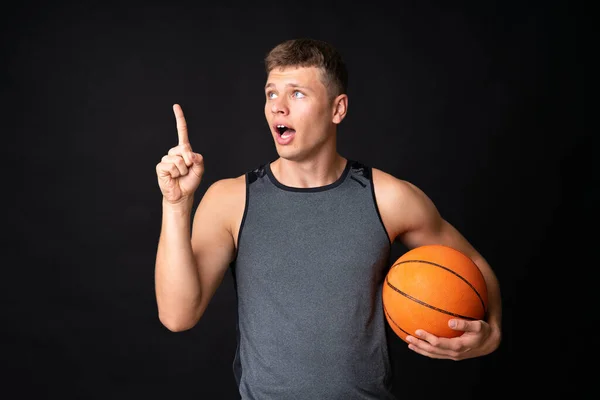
452 272
392 319
426 304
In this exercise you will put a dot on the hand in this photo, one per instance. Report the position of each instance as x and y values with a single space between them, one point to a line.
180 171
479 338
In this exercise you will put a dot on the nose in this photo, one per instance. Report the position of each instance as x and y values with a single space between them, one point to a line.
279 106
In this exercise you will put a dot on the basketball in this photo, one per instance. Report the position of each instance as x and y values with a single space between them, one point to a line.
429 285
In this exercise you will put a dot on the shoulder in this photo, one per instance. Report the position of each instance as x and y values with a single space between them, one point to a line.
389 188
229 194
222 206
226 191
223 198
403 206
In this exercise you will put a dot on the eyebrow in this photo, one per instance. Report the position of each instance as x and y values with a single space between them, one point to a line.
293 85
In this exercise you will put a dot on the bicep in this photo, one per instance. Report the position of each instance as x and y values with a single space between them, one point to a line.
424 225
411 217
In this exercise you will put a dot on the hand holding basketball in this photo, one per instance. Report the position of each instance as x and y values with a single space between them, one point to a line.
435 298
429 285
180 171
472 342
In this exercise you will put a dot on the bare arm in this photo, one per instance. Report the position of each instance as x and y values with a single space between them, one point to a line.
191 262
412 218
426 226
189 270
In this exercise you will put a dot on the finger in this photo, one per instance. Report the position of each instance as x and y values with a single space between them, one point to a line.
182 132
426 336
442 347
184 151
198 165
429 353
464 325
178 162
167 170
177 150
454 345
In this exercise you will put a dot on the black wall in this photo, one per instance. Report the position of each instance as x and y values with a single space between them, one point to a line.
479 104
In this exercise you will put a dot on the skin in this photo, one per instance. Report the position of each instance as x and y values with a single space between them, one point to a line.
189 271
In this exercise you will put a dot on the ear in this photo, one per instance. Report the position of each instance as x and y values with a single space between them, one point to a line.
340 108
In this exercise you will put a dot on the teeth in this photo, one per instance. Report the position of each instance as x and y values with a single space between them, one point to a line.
281 126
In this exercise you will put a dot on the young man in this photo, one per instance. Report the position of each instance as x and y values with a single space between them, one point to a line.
308 238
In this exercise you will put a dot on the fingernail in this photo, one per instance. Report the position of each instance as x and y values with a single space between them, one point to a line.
419 332
452 323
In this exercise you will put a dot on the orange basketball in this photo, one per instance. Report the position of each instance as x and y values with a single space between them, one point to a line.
429 285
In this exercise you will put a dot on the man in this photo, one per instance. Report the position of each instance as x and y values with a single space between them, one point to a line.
308 238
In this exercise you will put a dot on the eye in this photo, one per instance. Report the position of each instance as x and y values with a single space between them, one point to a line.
297 94
271 95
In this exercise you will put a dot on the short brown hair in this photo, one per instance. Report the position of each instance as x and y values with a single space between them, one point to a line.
307 52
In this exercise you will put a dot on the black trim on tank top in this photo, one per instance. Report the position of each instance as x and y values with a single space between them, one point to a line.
361 169
387 235
332 185
255 174
250 177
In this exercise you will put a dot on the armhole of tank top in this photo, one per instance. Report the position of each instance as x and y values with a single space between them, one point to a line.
385 232
239 238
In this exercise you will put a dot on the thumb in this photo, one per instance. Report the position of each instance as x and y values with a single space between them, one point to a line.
197 158
198 164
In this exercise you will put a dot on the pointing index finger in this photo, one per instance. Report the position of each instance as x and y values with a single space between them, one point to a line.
181 125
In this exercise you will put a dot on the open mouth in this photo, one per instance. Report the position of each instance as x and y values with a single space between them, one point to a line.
284 130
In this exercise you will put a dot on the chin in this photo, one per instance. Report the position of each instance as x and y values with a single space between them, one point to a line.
289 154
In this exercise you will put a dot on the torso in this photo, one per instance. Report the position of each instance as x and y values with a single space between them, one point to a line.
309 269
380 180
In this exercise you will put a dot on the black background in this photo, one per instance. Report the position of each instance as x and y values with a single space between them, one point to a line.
479 104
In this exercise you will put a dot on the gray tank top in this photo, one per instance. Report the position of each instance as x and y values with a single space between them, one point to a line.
308 275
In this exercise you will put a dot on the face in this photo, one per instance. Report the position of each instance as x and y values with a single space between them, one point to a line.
300 112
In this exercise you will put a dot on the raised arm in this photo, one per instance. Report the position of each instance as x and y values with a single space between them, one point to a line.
191 262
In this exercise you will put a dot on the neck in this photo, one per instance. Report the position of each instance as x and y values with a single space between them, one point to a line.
314 172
